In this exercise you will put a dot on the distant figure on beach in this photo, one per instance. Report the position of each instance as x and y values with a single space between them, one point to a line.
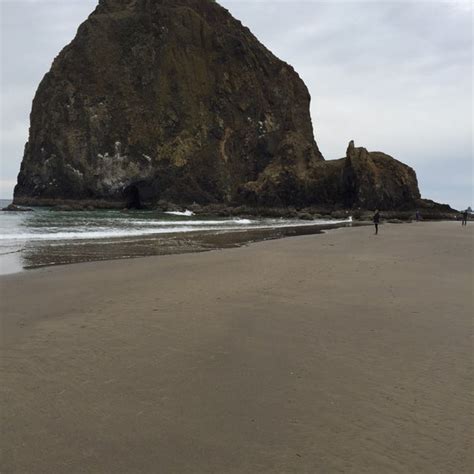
464 217
418 216
376 221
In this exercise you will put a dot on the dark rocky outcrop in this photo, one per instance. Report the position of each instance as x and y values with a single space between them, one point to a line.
14 208
367 180
170 99
374 179
362 179
175 100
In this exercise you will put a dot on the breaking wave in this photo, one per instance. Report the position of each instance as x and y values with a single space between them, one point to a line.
180 213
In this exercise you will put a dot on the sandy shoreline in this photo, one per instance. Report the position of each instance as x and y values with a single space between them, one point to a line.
341 352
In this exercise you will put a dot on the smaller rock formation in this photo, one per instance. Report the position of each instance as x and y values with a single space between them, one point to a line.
376 180
13 208
365 180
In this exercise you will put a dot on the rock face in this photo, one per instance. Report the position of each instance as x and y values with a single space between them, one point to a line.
175 100
13 208
170 99
363 179
374 179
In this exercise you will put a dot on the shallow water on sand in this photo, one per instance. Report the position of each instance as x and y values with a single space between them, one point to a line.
46 237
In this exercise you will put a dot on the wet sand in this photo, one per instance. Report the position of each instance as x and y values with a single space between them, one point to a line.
341 352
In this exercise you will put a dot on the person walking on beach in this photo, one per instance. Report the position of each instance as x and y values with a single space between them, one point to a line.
464 217
418 216
376 221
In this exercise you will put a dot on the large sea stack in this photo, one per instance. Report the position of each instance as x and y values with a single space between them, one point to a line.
176 100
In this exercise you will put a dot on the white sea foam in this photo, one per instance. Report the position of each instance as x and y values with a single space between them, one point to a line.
242 221
192 223
185 213
98 234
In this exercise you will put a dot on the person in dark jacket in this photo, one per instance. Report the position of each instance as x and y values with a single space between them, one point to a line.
464 218
376 221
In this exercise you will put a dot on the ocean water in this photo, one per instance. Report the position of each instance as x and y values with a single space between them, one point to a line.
48 237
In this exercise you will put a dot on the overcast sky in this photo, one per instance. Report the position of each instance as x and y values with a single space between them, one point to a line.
395 76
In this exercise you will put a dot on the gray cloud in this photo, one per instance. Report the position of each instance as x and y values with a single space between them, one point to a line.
393 75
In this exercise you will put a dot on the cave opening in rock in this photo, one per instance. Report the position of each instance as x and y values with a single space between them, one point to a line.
132 196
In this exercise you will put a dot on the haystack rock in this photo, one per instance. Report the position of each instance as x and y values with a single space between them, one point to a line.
175 100
164 99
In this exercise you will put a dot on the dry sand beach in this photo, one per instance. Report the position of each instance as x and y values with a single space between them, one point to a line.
341 352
